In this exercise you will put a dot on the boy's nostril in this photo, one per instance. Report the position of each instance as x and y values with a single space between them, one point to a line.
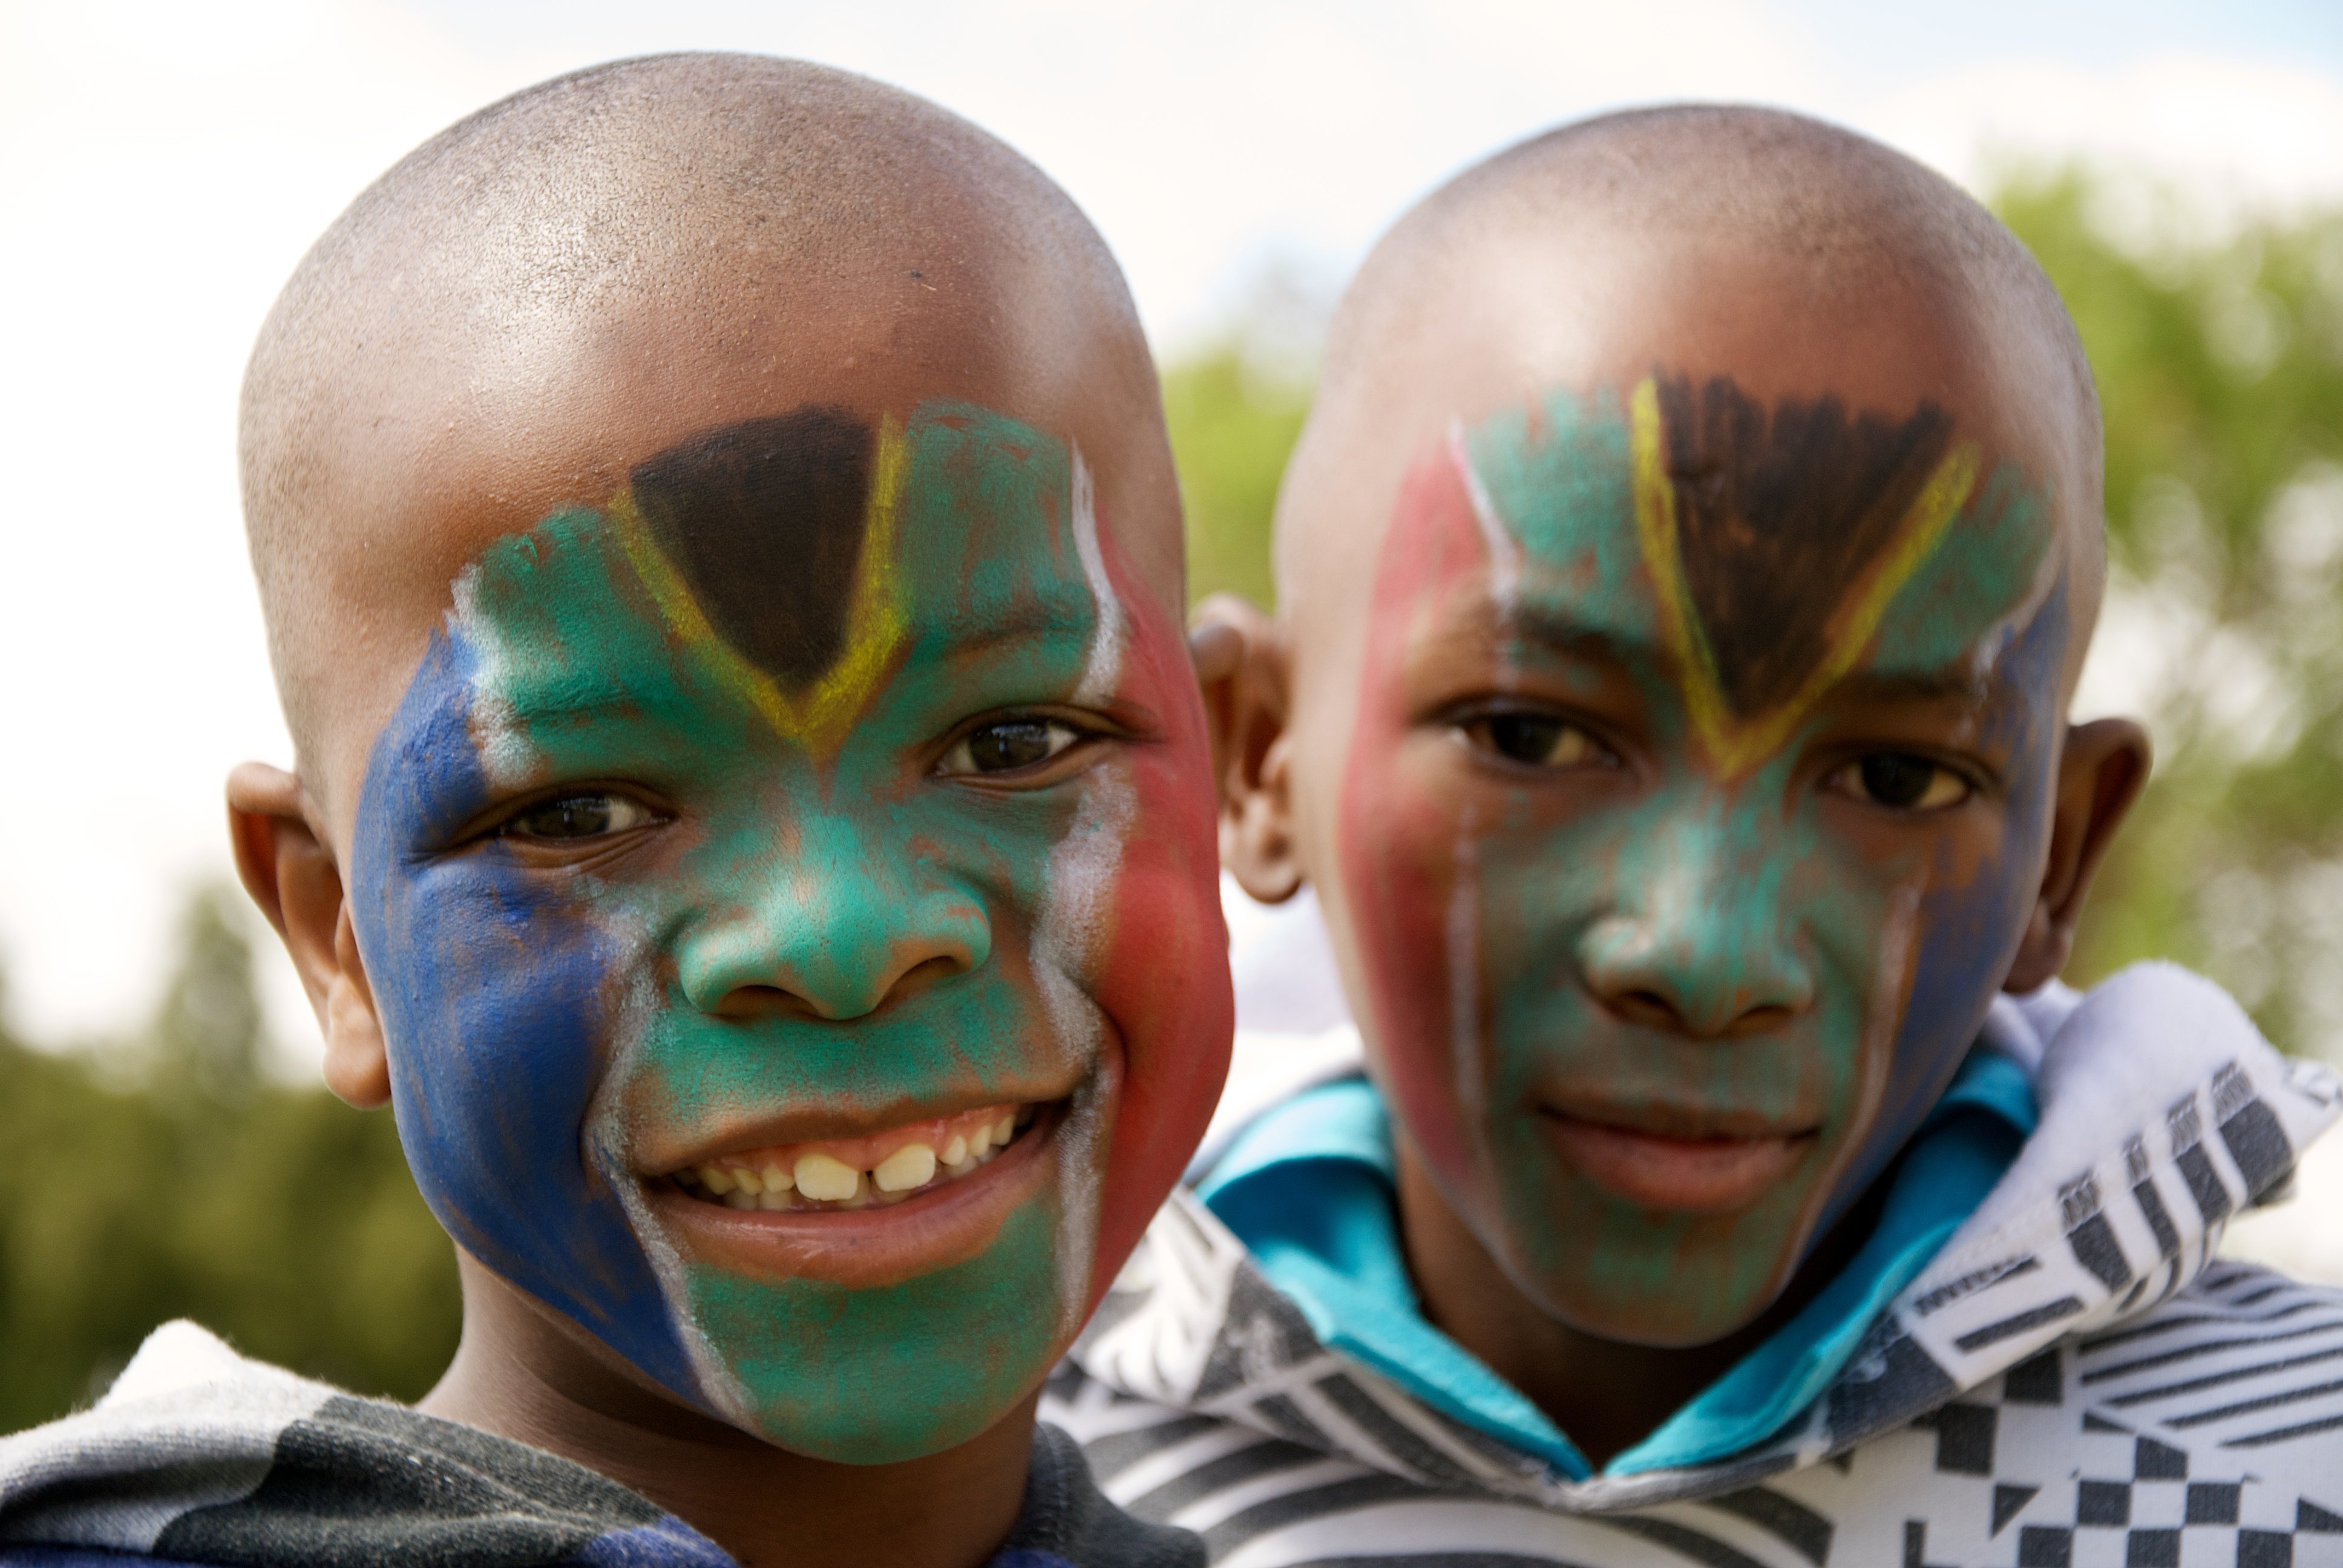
1648 1008
756 1002
926 973
1759 1020
1652 1009
747 1002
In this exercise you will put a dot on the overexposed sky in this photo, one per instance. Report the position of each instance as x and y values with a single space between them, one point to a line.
162 167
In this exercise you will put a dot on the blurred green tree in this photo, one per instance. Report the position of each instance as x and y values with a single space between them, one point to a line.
2220 370
167 1177
1234 421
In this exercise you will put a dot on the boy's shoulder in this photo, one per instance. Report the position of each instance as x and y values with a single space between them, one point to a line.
2206 1429
1068 1523
198 1455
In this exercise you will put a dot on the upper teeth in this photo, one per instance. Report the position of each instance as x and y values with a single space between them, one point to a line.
784 1178
827 1180
912 1165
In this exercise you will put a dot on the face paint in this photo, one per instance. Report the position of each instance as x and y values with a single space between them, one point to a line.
1658 979
763 658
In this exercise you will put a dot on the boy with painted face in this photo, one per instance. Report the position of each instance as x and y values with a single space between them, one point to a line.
1683 577
753 822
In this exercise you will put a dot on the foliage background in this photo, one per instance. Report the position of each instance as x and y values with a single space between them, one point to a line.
167 1175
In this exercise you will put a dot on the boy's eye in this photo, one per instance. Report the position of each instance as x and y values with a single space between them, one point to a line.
584 816
1902 780
1540 739
1008 746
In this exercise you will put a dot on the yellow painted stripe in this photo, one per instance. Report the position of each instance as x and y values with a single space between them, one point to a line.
1656 531
1737 744
821 717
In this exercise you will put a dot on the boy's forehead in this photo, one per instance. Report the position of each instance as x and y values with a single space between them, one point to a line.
1514 328
1609 307
1774 552
477 455
794 579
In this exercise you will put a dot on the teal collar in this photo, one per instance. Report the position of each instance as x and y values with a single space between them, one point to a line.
1307 1188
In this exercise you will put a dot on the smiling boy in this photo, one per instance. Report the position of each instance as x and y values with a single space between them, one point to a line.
753 822
1684 578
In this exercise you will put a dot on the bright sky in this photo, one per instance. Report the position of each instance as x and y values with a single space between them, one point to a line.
163 165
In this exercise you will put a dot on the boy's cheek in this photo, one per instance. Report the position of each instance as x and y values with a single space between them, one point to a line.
1402 839
1160 977
492 1001
1161 980
1963 935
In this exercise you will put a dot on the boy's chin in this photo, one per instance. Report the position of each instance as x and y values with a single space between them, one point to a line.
1657 1319
1657 1322
890 1436
882 1374
881 1334
1661 1282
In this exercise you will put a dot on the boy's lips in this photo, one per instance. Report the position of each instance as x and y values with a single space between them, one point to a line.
870 1238
1678 1160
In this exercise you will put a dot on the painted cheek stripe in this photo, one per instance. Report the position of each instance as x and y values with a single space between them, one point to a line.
823 714
1104 669
1736 742
1504 555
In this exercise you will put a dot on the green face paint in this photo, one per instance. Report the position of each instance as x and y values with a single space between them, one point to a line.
1700 777
895 813
845 1362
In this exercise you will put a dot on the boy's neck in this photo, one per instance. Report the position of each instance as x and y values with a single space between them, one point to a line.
521 1375
1606 1396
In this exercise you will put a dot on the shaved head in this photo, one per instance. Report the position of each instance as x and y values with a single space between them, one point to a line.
1572 255
1682 578
570 280
722 566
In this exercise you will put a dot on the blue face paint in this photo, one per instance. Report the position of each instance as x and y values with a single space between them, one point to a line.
492 1090
1974 924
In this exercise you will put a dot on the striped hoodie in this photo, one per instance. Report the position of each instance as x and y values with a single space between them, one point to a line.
2073 1380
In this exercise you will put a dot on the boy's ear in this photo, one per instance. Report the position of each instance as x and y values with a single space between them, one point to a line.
291 875
1240 662
2100 774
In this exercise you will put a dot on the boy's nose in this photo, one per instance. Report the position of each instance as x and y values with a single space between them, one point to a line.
831 946
1701 947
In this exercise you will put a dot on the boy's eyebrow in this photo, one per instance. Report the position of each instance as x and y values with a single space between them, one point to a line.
1960 683
1033 618
1570 633
1528 621
580 701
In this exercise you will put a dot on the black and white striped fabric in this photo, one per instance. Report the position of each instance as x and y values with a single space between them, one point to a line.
2075 1379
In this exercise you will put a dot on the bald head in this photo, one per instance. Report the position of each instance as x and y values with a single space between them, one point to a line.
572 281
1676 734
1799 259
